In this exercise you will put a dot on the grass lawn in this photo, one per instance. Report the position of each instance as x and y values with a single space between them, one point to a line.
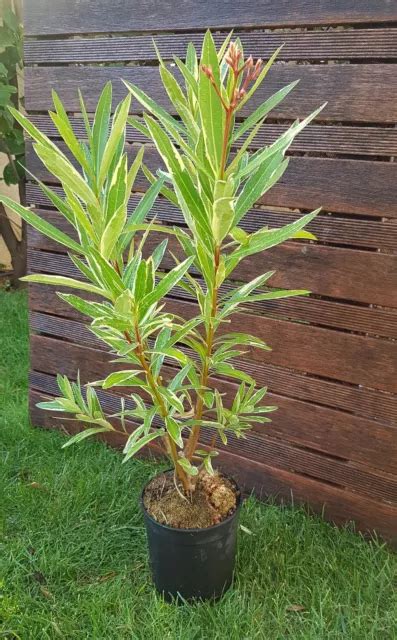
73 559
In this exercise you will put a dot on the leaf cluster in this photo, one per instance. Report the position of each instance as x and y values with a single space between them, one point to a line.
11 135
165 365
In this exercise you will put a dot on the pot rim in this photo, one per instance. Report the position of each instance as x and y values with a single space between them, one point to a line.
213 527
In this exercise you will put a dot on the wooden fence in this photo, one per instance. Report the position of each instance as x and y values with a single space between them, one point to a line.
332 372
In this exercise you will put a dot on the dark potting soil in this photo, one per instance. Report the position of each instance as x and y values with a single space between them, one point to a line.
214 499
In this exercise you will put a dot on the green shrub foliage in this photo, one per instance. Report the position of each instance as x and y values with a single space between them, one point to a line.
169 362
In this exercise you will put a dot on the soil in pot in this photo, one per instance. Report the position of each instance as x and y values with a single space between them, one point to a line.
214 500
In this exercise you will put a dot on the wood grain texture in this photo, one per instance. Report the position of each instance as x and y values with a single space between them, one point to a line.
310 45
346 186
334 229
370 320
321 429
327 271
331 354
358 140
334 503
262 447
148 15
340 315
368 403
354 93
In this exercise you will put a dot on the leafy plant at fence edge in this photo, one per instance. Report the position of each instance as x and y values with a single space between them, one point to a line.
11 134
210 175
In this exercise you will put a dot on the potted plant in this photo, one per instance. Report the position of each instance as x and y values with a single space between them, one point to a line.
168 362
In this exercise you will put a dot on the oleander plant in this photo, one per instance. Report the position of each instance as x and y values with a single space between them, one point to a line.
165 364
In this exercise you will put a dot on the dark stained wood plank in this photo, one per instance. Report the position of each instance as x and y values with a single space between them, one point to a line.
307 45
361 93
354 399
359 140
328 271
346 186
332 354
332 503
356 318
335 504
321 429
269 450
334 229
94 15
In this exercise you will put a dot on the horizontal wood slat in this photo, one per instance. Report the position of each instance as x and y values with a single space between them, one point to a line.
359 140
379 234
362 401
321 429
310 45
361 93
270 450
335 355
148 15
346 186
374 321
336 504
328 271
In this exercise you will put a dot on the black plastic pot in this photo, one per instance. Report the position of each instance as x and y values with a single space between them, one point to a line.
192 563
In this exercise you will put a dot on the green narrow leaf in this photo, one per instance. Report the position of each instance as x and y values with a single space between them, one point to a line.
117 194
262 111
42 225
117 130
187 466
62 281
278 294
258 183
105 272
152 107
174 430
123 379
84 434
232 372
172 88
191 82
61 168
100 127
280 145
32 130
158 253
262 240
193 209
81 219
57 202
142 442
85 119
91 309
167 283
211 110
62 123
112 232
134 168
145 204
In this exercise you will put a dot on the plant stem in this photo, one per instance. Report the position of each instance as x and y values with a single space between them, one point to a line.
170 444
195 433
226 132
153 384
228 121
